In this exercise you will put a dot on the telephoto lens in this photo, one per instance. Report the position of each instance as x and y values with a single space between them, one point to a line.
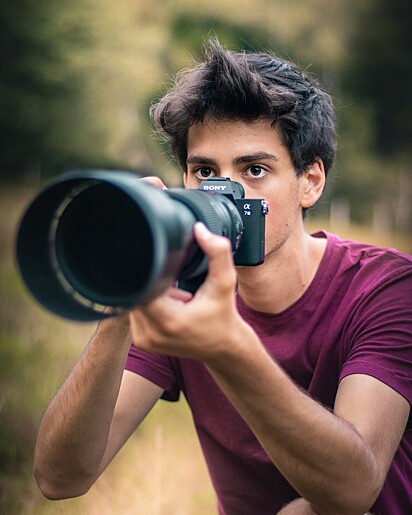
95 243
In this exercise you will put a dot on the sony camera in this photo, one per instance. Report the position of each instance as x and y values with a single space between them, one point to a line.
251 248
95 243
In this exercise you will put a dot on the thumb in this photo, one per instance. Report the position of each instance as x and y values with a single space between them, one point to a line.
221 272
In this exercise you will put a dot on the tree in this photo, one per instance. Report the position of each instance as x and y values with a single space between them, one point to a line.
378 76
64 79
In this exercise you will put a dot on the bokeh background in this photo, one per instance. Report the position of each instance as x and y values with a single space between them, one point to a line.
76 82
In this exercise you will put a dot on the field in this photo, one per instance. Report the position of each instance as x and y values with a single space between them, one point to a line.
159 471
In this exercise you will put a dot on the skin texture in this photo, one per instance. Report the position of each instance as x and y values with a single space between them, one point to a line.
336 461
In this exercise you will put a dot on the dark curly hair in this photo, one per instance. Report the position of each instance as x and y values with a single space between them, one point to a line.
247 86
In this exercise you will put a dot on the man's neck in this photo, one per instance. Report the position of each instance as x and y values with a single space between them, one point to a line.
284 276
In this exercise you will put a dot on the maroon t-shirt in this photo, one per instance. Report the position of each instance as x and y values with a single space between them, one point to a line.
355 318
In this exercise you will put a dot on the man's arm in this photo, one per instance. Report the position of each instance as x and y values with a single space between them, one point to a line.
336 461
92 415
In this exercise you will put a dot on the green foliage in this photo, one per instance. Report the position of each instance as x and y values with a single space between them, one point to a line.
65 83
36 79
22 52
77 80
379 72
375 152
17 427
189 31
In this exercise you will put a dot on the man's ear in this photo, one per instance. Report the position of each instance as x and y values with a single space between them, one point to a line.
313 183
184 178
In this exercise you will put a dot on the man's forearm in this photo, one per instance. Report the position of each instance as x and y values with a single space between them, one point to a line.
74 430
322 456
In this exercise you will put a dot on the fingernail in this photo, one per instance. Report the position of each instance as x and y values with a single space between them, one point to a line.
202 231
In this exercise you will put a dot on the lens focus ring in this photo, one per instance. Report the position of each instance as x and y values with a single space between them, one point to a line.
203 206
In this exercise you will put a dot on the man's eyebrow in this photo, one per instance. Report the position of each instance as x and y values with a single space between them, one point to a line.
200 160
251 158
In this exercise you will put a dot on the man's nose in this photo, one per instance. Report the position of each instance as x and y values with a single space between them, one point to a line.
228 173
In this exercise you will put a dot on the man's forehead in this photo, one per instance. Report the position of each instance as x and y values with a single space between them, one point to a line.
241 139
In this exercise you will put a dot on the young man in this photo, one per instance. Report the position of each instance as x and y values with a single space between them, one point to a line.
297 371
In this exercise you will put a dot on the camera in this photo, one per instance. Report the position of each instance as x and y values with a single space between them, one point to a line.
248 233
95 243
251 248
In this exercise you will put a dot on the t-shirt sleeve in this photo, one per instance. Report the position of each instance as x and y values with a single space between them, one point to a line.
156 368
379 335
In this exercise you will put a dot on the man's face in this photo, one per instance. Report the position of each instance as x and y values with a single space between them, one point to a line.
251 153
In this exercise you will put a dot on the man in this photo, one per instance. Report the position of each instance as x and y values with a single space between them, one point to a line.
297 371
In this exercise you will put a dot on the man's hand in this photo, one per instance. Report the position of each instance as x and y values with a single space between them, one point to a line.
198 327
155 181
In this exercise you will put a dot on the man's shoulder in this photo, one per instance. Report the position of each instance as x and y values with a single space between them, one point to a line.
362 267
354 251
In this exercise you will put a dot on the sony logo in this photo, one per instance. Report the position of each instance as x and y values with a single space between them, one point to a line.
214 188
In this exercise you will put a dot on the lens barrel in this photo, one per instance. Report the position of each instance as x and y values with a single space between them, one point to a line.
95 243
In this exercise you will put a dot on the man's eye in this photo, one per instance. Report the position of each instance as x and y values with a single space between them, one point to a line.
256 171
204 173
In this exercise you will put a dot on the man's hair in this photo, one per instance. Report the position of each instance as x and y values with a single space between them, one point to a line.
249 86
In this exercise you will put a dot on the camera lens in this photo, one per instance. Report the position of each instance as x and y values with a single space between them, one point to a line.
218 213
98 238
103 243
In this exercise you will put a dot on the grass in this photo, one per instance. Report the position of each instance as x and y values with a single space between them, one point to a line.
160 471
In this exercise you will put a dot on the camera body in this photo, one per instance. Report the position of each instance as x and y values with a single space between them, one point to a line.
251 249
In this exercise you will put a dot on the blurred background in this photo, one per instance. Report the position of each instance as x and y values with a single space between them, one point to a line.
77 79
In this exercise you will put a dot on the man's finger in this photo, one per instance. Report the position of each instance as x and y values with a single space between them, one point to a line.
218 250
178 294
155 181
